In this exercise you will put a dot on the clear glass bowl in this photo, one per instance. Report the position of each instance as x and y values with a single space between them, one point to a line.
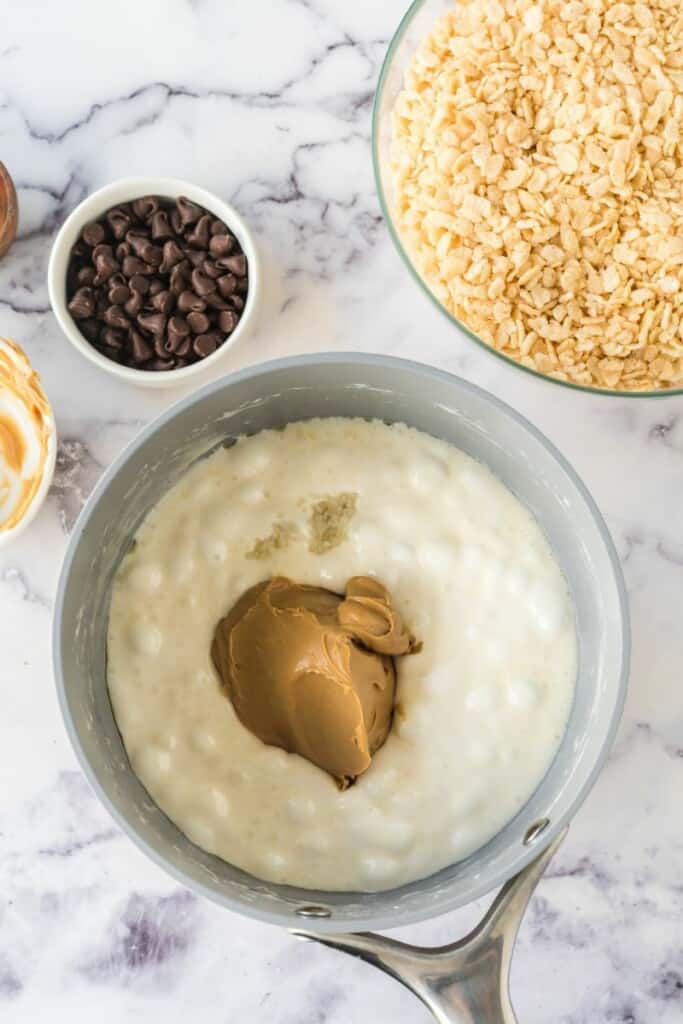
415 25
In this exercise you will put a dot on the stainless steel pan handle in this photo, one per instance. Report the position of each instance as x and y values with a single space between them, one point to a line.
466 982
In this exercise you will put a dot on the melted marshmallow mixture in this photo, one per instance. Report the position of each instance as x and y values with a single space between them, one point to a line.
480 710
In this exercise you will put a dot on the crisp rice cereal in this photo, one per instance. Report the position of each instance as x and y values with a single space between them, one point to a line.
538 170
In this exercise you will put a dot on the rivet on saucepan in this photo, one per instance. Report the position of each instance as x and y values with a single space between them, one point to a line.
535 831
313 911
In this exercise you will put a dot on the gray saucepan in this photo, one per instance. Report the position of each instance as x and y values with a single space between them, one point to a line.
469 980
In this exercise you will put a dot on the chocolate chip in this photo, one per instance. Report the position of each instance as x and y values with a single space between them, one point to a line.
102 249
164 301
161 227
189 211
82 304
160 346
242 285
201 283
86 275
199 323
139 284
133 305
106 265
204 344
211 270
80 250
123 250
141 350
237 265
119 222
184 348
176 221
178 328
132 266
93 233
189 302
169 344
218 228
227 285
199 238
195 257
118 294
172 255
138 241
227 320
156 285
116 317
216 301
221 245
146 206
237 302
152 254
155 323
112 337
180 277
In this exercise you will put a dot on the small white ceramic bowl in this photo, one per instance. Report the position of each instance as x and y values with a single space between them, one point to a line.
124 191
11 353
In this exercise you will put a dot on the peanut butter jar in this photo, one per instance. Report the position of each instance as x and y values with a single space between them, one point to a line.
28 441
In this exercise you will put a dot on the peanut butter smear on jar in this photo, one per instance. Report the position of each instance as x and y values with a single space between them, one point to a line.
26 431
313 672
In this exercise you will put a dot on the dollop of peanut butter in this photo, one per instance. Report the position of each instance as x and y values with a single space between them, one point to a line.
311 671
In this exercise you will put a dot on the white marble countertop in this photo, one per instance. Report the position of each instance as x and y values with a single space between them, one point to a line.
268 103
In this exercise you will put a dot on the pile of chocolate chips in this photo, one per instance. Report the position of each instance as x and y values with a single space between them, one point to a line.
155 284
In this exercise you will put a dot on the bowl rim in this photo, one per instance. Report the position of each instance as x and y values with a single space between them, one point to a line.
98 202
330 360
385 206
